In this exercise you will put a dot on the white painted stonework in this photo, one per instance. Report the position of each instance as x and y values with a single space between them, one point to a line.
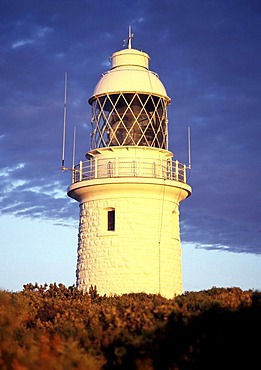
143 254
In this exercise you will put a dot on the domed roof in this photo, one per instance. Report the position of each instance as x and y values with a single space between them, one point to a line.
129 73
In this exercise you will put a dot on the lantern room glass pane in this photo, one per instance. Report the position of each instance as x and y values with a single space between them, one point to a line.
129 119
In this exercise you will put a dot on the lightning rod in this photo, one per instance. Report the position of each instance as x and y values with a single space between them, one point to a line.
189 148
64 119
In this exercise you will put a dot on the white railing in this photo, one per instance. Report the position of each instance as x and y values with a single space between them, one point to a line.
97 168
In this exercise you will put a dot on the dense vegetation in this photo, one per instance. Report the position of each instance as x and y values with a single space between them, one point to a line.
54 327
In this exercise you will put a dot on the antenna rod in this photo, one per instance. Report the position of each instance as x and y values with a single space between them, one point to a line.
64 117
73 154
189 150
74 146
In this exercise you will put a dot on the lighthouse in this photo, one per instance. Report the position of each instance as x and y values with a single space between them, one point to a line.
129 186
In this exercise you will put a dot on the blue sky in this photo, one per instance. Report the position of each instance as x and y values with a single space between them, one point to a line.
207 54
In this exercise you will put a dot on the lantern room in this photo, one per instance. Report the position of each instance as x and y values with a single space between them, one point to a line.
129 104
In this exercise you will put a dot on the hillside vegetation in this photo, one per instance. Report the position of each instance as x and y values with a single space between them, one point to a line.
55 327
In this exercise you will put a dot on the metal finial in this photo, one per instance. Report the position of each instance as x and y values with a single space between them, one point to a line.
130 37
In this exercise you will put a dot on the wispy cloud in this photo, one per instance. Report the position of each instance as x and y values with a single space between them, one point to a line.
20 43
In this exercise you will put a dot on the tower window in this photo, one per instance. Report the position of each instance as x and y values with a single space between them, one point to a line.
111 220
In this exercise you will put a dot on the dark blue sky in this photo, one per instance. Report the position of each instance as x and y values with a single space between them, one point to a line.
208 55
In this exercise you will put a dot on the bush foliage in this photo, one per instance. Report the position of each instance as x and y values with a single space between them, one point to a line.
55 327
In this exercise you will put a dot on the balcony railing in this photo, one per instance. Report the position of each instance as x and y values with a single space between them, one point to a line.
98 168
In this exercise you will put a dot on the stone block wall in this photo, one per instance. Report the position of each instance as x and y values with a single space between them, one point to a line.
142 254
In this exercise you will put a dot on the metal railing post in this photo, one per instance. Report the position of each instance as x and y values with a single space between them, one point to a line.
163 169
116 166
169 169
177 170
95 168
80 170
110 169
154 169
134 168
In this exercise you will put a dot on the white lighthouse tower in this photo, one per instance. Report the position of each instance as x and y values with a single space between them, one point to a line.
129 188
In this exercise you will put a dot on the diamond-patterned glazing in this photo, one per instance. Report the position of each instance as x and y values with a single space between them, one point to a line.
129 119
